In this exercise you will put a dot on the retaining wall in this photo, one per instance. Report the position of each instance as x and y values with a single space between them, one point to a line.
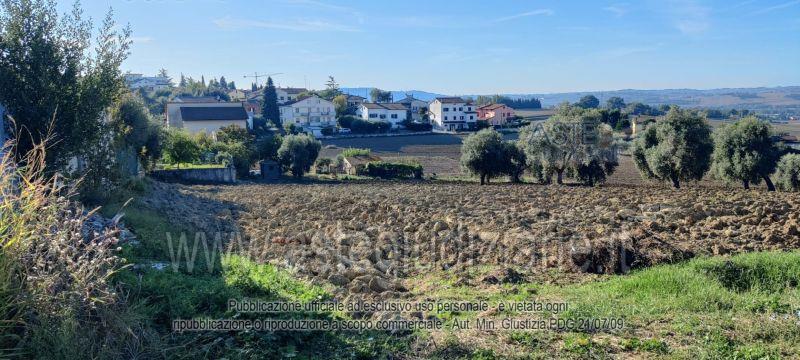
202 176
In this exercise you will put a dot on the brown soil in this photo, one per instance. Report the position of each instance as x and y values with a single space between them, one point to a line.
367 237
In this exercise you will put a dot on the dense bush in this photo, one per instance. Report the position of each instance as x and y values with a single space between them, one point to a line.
136 131
180 147
56 300
415 126
298 153
787 176
675 149
387 170
346 121
266 147
359 126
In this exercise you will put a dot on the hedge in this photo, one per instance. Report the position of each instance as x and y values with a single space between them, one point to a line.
412 126
387 170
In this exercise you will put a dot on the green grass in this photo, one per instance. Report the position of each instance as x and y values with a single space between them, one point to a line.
161 296
184 166
744 307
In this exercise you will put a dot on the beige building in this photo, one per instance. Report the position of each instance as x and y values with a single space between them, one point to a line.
206 117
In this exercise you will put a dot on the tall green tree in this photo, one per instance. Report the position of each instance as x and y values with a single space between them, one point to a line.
269 109
588 102
380 96
136 131
55 81
745 152
675 149
615 103
485 154
223 83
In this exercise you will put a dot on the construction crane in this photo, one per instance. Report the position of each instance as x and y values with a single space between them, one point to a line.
256 75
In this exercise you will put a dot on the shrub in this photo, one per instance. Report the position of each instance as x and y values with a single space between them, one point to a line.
387 170
359 126
482 124
328 131
240 156
414 126
346 121
180 148
323 165
745 152
266 147
350 152
675 149
234 134
298 153
136 131
787 176
56 300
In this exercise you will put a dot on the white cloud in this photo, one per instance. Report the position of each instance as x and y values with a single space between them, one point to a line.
689 17
537 12
619 10
294 25
776 7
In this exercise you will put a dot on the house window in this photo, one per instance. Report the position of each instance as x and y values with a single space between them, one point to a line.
462 117
394 116
470 117
469 109
296 110
383 116
445 117
446 109
461 109
281 98
372 116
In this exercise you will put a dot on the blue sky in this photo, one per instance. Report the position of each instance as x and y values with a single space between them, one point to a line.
469 47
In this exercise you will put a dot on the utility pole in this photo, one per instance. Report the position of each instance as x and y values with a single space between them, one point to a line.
256 75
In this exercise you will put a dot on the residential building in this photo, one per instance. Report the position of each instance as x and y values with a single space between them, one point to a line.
151 83
312 111
196 99
392 113
414 107
355 101
452 114
195 117
495 114
286 95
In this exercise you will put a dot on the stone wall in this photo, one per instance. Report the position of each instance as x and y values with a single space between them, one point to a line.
200 176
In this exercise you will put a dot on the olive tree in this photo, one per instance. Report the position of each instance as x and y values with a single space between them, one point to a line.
571 140
675 149
787 176
298 153
745 152
485 154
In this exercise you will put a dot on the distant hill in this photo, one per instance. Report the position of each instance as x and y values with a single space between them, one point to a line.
750 98
397 94
713 98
